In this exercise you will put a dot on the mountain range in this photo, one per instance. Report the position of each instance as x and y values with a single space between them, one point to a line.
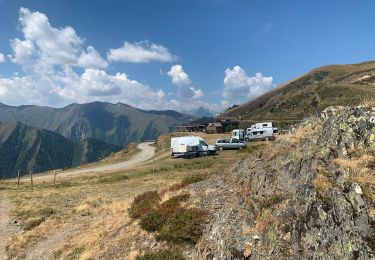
24 148
118 124
333 85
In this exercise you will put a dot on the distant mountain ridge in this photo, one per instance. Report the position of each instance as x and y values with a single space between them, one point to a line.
333 85
24 148
118 124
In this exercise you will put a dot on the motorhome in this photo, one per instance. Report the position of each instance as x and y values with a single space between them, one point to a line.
190 146
239 134
261 131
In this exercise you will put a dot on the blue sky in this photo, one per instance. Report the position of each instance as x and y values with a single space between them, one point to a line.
167 54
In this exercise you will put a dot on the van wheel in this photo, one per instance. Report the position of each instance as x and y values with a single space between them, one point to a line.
221 148
267 139
240 148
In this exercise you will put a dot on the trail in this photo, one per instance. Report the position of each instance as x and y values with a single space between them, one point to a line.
7 228
146 153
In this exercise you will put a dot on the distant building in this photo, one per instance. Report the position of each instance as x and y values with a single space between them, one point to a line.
214 128
209 127
191 128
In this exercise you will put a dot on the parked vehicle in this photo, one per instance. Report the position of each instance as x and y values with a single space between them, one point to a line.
261 131
239 134
230 143
190 146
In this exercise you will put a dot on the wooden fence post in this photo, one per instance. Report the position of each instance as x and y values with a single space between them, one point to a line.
153 164
54 178
18 178
31 178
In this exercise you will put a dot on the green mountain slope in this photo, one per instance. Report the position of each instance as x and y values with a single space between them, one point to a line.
118 124
24 148
332 85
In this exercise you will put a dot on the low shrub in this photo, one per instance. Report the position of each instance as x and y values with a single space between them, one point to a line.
164 254
144 203
174 202
184 226
153 221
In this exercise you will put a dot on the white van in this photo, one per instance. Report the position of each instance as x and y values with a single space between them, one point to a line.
190 146
239 134
261 131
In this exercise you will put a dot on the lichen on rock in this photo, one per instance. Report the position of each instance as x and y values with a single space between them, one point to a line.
295 200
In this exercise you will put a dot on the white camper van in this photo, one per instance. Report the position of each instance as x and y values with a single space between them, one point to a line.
239 134
261 131
190 146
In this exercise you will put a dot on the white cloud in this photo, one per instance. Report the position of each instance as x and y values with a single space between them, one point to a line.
238 85
184 85
58 69
53 45
92 59
45 46
141 52
2 57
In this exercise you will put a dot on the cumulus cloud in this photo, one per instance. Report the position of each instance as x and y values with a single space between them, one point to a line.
141 52
239 85
49 57
45 46
53 45
59 68
184 85
2 57
92 59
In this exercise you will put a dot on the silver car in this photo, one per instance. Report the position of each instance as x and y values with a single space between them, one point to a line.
229 143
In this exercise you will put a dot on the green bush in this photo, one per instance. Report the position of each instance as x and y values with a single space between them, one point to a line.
174 202
144 203
184 226
153 221
165 254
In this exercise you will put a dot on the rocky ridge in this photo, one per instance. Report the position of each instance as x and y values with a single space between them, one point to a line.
310 195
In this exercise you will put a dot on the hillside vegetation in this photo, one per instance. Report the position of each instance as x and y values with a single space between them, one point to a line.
24 148
334 85
118 124
309 196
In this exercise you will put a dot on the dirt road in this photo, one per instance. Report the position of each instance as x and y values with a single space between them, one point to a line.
7 228
146 153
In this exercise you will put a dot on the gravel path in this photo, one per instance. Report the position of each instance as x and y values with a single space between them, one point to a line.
146 153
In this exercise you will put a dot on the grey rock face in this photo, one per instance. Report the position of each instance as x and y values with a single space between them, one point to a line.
292 201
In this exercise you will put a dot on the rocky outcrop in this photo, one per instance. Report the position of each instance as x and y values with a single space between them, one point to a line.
293 200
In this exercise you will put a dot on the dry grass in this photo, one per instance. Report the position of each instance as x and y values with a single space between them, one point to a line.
362 172
99 204
367 103
301 134
323 185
